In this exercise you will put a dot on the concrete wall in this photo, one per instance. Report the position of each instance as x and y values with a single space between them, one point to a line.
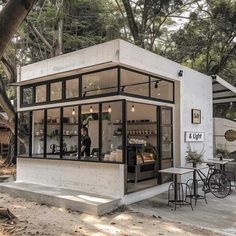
100 178
221 125
72 61
192 90
196 93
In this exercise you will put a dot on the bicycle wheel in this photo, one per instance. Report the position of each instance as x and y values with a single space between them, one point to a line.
219 185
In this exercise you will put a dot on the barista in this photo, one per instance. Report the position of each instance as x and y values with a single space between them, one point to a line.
85 142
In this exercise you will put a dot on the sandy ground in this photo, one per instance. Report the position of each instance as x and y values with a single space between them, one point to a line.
37 219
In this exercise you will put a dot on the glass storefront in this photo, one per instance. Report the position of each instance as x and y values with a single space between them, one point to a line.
139 135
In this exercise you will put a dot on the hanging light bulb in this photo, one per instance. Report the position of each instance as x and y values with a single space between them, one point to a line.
132 108
231 104
109 109
156 85
91 109
73 112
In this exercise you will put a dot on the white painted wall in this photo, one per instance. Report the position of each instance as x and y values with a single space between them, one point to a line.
99 54
196 92
221 125
106 179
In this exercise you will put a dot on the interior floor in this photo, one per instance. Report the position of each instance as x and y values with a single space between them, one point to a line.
133 187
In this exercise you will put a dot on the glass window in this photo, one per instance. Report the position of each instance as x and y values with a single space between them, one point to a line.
162 89
55 91
53 133
134 83
27 94
100 83
72 88
24 133
41 93
166 133
112 132
70 132
90 132
38 133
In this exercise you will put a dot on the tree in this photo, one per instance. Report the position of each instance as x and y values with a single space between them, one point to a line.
208 41
12 15
147 18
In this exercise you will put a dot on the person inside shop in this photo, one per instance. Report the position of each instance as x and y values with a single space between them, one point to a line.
85 142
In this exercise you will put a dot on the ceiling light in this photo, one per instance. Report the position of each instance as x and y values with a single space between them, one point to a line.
132 108
109 109
73 112
156 84
91 109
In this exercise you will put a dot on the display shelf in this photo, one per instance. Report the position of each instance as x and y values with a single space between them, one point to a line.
138 123
56 123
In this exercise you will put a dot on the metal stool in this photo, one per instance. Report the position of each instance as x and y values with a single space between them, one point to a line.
183 190
195 190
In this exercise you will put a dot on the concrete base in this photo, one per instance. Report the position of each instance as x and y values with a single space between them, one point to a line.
144 194
59 197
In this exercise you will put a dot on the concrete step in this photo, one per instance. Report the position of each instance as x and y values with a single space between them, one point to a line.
60 197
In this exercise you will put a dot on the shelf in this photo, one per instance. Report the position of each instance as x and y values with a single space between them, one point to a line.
65 135
134 135
56 124
138 123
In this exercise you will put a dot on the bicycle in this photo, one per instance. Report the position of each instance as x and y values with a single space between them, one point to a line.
215 182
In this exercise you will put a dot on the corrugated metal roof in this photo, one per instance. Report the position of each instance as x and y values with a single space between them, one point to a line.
223 92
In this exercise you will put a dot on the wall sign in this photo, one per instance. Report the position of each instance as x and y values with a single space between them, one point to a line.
196 116
194 136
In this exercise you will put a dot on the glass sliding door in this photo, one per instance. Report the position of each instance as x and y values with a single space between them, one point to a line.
142 149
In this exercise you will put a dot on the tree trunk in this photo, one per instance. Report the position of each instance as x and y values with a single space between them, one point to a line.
11 17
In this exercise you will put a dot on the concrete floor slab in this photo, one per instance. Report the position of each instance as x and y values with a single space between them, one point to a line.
59 197
219 215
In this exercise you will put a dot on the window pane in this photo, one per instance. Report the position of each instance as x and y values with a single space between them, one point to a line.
90 132
53 133
100 83
23 132
112 132
72 88
38 133
162 89
134 83
142 129
70 132
56 91
27 96
166 115
41 93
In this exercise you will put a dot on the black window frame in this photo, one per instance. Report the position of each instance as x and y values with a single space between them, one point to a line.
81 97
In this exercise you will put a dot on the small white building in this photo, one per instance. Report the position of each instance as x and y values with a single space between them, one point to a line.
141 111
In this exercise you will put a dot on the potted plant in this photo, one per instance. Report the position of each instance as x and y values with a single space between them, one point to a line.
222 153
194 157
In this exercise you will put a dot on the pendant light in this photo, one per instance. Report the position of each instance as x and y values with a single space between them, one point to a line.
132 108
73 112
109 109
91 109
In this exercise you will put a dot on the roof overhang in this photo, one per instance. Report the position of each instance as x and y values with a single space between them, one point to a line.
223 92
